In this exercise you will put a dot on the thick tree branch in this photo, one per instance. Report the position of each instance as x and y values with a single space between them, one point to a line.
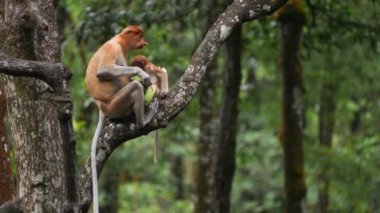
181 93
12 206
54 74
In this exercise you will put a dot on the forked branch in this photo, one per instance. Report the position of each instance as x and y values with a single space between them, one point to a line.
183 91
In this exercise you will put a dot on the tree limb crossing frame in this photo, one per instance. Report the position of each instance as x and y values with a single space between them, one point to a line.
53 74
57 76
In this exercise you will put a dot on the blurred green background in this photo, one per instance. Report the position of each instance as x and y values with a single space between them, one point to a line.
340 47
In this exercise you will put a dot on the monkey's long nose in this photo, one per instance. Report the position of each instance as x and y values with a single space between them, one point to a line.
145 43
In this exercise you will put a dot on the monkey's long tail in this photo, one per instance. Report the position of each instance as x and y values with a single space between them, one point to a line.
94 173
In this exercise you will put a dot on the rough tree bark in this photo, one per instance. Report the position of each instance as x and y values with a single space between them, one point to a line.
44 145
38 116
6 189
291 19
227 131
207 112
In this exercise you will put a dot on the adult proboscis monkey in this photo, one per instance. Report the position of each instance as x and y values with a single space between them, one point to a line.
116 95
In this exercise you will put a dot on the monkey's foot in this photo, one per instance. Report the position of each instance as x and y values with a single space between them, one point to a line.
150 111
164 94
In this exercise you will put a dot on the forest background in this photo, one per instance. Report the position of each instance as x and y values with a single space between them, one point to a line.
337 66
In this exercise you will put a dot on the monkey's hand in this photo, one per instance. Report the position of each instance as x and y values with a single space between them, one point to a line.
146 81
163 69
145 78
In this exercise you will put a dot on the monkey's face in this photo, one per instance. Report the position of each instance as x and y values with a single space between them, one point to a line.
135 41
133 36
139 61
140 42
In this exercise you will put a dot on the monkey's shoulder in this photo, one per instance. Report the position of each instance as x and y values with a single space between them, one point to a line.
111 46
108 51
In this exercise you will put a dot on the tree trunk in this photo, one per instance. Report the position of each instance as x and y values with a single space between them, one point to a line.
176 170
291 20
205 148
207 109
39 112
226 135
326 130
356 122
6 189
38 118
